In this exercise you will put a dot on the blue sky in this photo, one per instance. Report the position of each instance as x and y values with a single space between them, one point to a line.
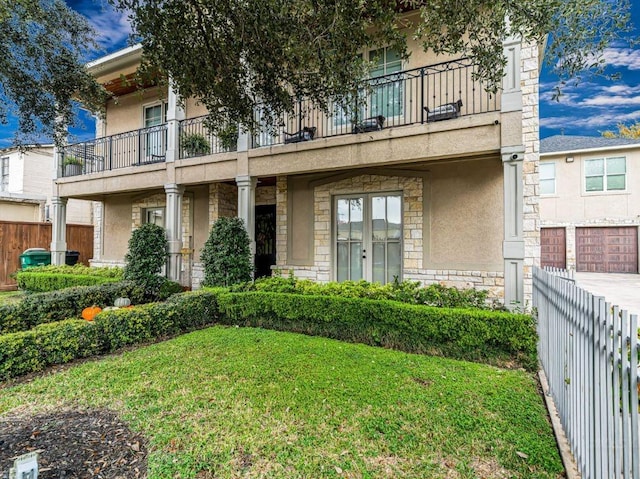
595 105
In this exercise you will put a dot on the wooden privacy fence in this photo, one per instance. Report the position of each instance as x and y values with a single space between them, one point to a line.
589 354
15 237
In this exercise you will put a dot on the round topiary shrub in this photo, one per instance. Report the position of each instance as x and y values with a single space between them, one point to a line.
226 254
146 256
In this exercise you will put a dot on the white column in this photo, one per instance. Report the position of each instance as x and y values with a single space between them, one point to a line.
247 206
58 230
513 244
175 113
173 226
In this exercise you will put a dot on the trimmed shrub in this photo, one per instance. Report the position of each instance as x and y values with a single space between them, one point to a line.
492 337
37 282
146 256
60 342
226 254
411 292
114 272
42 308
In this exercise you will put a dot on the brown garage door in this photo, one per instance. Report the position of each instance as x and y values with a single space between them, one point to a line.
552 247
607 250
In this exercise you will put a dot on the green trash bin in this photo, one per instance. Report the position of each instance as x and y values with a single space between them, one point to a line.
35 257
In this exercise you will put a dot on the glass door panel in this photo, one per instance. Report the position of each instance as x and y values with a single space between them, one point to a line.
349 238
368 234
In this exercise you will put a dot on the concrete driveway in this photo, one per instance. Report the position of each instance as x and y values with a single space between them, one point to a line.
619 289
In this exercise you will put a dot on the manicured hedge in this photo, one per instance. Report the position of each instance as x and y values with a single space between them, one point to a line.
486 336
411 292
68 303
60 342
492 337
43 282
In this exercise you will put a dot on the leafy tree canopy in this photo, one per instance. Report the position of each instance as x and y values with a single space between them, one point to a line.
231 54
43 45
624 131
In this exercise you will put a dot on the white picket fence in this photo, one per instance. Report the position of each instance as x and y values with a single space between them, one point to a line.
589 353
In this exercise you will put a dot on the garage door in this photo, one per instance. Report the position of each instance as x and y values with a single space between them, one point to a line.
552 247
607 250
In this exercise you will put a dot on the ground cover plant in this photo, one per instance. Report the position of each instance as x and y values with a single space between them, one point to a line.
10 297
242 402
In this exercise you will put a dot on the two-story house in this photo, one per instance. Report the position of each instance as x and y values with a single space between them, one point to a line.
430 177
25 187
590 203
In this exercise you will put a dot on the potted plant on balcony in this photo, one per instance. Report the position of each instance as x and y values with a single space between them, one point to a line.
195 144
228 138
72 166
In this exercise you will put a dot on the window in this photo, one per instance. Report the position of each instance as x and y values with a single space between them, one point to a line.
155 138
547 178
605 174
154 216
4 173
387 98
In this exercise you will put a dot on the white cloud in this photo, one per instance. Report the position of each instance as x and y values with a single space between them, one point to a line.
623 57
113 27
603 120
611 101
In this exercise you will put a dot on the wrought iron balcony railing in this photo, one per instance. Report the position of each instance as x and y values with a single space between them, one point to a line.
132 148
427 94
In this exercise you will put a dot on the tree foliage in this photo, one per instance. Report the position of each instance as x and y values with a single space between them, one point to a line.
43 44
237 55
624 131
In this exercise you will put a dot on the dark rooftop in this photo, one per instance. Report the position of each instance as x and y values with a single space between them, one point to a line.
576 143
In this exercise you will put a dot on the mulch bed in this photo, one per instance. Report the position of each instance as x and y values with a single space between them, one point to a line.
74 444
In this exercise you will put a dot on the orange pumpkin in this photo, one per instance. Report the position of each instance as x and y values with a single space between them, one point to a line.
90 312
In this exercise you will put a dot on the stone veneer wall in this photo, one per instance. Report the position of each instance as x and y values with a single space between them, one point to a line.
223 201
265 195
529 79
570 232
412 189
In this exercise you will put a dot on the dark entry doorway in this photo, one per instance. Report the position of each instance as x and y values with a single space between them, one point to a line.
265 239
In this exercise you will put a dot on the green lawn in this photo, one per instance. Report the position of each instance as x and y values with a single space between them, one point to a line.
242 402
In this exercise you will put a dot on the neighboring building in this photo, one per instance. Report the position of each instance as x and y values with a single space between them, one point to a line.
442 190
590 203
25 187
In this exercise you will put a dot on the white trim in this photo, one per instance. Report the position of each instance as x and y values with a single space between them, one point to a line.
116 58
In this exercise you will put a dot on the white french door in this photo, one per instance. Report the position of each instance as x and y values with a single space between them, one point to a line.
368 237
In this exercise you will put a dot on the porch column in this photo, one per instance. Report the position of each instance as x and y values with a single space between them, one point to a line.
58 230
173 226
175 113
513 244
247 206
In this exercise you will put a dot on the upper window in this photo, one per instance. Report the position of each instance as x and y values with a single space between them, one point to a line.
155 114
4 173
605 174
547 178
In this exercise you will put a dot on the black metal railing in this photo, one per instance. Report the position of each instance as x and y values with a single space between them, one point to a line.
132 148
433 93
196 139
422 95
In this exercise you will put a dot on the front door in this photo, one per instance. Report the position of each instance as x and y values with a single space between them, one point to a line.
368 237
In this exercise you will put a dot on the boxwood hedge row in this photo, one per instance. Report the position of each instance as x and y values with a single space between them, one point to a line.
37 282
491 337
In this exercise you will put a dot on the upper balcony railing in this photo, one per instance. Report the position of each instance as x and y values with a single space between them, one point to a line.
422 95
427 94
132 148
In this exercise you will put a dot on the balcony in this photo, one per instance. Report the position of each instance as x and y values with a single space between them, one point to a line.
132 148
428 94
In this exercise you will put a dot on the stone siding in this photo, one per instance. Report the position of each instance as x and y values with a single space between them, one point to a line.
529 79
